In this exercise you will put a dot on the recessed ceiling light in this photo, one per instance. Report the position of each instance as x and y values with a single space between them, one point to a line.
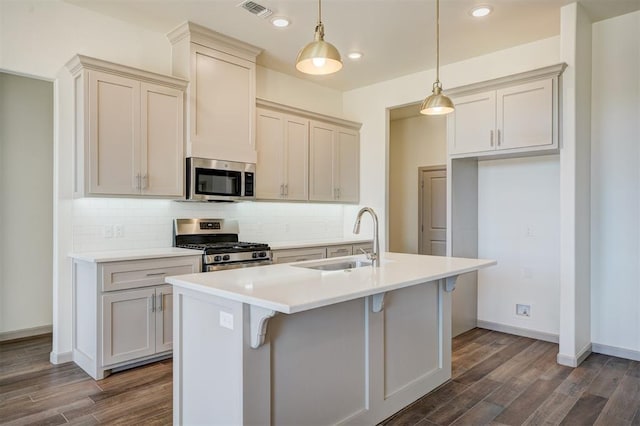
480 11
355 55
280 22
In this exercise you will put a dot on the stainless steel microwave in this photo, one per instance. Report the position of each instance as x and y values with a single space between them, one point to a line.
216 180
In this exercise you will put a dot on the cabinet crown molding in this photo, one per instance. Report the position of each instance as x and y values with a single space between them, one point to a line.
263 103
536 74
80 62
215 40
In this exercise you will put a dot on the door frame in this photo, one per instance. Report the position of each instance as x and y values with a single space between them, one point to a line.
438 168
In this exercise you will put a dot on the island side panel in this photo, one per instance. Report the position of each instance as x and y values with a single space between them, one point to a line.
208 359
409 348
318 360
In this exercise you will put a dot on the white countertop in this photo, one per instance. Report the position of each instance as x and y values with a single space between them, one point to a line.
288 288
317 243
135 254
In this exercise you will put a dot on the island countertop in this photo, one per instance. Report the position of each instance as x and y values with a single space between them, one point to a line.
291 288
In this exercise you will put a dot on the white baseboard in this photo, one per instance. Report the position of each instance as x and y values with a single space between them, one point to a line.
26 332
60 358
574 361
524 332
614 351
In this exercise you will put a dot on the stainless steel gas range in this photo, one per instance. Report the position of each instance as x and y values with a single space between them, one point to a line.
218 241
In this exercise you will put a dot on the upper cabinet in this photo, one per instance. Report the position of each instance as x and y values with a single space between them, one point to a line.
306 156
283 156
334 163
221 93
129 130
516 115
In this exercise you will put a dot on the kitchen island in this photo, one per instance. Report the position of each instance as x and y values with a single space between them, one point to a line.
300 344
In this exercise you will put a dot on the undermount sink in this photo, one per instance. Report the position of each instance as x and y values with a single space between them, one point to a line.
336 266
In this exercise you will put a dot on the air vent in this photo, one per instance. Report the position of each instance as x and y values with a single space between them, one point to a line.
255 8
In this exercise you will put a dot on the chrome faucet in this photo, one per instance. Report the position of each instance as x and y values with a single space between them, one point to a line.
375 256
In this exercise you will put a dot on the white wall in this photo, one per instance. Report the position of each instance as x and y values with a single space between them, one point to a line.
615 175
518 225
413 142
26 235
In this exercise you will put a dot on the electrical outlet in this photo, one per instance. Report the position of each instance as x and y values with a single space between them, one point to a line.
523 310
118 231
226 320
107 231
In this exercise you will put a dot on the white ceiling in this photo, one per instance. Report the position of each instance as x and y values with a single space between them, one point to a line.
397 37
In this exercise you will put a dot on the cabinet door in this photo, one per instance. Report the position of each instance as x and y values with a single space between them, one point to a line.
128 325
337 251
270 167
222 103
114 132
347 169
525 115
164 318
299 255
297 157
321 159
471 127
162 148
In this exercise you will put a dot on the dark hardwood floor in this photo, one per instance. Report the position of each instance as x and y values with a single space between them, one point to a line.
498 379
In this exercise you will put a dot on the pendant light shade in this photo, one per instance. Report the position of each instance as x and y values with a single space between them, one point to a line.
319 57
437 103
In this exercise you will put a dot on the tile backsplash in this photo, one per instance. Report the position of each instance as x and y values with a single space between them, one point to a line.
115 223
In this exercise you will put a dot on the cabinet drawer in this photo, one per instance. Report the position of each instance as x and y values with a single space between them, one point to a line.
337 251
144 273
367 247
298 255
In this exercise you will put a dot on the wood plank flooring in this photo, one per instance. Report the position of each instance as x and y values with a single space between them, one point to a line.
498 379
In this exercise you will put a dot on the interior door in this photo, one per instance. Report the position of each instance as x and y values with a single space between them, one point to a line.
433 212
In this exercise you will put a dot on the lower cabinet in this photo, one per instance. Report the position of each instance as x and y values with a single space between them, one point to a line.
123 311
299 255
137 323
319 252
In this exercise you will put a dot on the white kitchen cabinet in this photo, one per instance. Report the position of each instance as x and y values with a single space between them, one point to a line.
221 94
299 255
129 131
517 115
334 163
283 156
137 323
123 311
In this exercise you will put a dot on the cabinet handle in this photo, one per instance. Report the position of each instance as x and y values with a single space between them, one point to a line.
338 193
160 302
153 304
145 182
286 189
156 274
491 137
282 189
137 181
498 137
341 250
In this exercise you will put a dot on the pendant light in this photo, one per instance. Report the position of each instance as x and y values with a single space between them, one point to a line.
319 57
437 103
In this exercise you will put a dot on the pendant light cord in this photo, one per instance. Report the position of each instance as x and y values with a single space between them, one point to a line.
437 41
319 11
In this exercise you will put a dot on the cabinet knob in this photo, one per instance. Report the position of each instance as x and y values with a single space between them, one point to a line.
491 137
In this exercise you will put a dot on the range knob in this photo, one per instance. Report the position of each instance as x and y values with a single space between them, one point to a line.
217 258
226 257
262 254
254 255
